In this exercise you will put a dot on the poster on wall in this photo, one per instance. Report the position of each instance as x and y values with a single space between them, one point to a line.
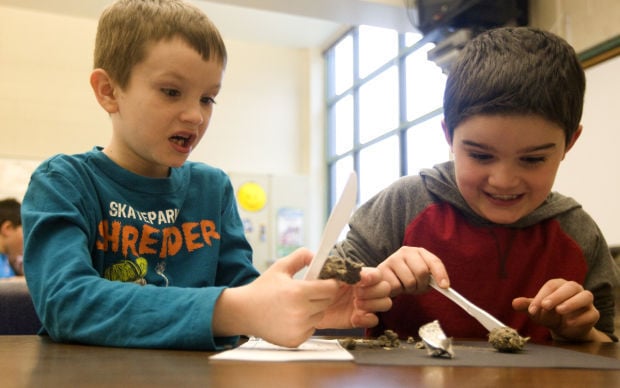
290 236
15 176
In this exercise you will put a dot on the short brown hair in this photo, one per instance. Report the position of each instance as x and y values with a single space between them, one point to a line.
127 27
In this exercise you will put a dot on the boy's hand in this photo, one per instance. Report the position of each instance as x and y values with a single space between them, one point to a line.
565 308
286 311
408 269
355 305
275 306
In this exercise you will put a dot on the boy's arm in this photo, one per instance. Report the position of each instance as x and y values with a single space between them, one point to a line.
76 304
603 273
593 336
377 227
275 306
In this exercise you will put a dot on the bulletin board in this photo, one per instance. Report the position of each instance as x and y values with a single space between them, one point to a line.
15 176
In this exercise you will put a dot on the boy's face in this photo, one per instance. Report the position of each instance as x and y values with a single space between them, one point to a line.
505 165
13 247
164 111
13 238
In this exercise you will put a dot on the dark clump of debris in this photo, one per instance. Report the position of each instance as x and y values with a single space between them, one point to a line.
343 269
507 340
389 339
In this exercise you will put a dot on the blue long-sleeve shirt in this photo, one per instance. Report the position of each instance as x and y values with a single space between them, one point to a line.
114 258
6 271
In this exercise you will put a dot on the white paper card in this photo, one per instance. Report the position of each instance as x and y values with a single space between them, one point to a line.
313 349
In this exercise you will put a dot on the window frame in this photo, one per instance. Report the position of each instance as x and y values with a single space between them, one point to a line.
331 99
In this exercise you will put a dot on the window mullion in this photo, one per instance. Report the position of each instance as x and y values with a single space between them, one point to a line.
402 107
356 103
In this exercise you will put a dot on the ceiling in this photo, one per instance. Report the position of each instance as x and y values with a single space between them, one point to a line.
300 23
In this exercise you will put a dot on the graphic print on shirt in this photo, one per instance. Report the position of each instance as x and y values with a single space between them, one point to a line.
128 271
135 235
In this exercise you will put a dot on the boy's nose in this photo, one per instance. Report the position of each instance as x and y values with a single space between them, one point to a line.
503 176
193 114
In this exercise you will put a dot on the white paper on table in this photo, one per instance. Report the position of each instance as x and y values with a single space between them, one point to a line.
313 349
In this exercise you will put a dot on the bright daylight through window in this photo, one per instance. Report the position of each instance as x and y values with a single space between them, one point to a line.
384 109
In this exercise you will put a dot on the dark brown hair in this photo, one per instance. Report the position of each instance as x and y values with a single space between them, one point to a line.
10 209
516 70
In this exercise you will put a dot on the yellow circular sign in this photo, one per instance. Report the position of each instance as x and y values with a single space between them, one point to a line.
251 197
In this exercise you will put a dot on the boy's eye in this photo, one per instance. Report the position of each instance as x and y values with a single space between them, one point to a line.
170 92
480 156
533 159
207 100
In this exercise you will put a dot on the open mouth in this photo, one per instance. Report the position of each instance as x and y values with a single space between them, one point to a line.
183 141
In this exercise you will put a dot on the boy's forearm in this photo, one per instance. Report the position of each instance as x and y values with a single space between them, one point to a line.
229 315
594 335
598 336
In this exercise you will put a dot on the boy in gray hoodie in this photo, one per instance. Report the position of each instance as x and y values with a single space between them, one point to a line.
487 223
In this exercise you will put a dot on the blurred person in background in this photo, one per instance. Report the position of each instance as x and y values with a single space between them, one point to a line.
11 239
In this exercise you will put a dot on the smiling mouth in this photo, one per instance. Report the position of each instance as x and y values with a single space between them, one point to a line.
504 197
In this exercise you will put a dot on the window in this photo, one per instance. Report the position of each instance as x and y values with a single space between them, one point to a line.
384 109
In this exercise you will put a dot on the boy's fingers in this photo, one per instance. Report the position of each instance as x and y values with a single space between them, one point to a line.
295 262
521 303
437 269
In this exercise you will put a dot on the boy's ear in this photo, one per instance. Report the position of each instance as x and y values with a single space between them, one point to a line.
573 139
446 132
5 226
105 90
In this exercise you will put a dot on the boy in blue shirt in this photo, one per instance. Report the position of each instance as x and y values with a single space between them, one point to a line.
132 245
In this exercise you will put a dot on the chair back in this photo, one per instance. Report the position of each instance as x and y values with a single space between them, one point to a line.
17 315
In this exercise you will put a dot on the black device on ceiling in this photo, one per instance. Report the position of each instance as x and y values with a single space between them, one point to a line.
435 17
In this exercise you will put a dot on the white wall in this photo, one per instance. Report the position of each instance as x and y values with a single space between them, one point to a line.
582 23
47 105
257 122
590 172
267 119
